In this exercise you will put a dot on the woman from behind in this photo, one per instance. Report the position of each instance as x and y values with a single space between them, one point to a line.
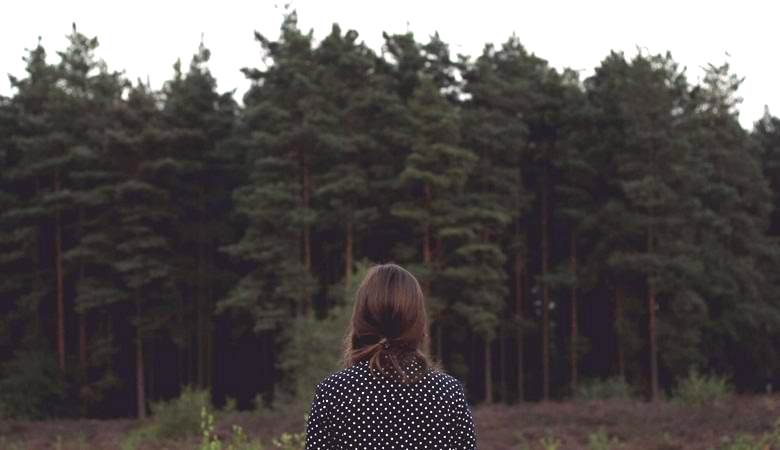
389 394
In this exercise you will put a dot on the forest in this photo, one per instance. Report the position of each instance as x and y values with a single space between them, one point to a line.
564 229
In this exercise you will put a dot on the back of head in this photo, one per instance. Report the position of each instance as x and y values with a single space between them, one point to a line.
389 327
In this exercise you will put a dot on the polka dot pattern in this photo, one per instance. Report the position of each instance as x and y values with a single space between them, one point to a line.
359 409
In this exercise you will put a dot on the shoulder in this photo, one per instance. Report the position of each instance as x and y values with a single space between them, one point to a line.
342 379
446 385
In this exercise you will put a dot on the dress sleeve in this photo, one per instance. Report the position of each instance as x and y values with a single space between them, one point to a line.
464 436
319 435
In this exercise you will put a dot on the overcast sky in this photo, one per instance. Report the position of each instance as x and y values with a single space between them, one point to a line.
144 38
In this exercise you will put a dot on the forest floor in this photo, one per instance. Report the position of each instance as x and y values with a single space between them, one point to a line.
636 426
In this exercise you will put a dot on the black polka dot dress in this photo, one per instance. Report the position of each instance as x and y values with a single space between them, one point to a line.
359 409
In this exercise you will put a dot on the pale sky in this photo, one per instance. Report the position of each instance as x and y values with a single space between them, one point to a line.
144 38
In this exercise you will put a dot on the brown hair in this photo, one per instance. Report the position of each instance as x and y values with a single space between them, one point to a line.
389 326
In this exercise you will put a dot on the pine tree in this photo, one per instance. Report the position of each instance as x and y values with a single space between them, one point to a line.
198 120
41 168
350 101
648 93
542 117
124 248
496 85
766 136
15 239
141 210
280 144
94 93
406 63
576 191
418 174
57 105
436 170
424 71
737 200
603 137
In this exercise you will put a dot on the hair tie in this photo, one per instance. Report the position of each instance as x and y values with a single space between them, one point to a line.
384 343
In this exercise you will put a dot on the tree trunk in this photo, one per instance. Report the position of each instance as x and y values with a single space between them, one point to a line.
60 281
574 330
545 291
84 378
150 382
435 258
651 306
519 291
427 259
488 374
502 363
139 373
426 248
306 200
140 387
348 255
82 315
181 353
427 238
36 281
202 303
83 345
210 354
210 335
440 342
192 352
200 346
619 313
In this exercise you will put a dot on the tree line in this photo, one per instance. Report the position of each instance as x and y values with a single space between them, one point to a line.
622 225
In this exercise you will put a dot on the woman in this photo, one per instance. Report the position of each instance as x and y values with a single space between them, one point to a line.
389 395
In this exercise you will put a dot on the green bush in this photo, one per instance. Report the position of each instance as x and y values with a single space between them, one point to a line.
741 442
767 441
173 419
33 387
746 441
231 406
5 444
604 389
697 389
600 440
550 443
210 441
180 416
238 439
290 441
303 368
135 438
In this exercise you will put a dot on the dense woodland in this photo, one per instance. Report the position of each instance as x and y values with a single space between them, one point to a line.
563 229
